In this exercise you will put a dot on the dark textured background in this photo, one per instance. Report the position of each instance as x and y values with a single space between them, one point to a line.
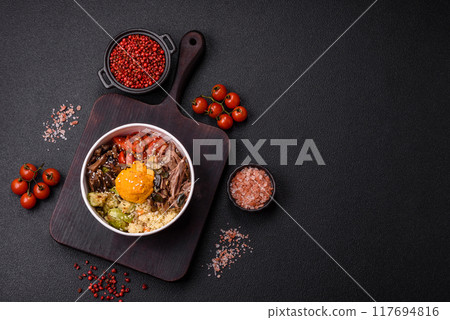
376 105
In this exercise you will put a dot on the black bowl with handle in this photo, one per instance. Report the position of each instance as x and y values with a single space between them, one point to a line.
108 79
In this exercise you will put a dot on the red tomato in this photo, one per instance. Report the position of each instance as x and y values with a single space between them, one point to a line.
19 186
147 140
51 177
41 190
132 142
28 201
27 171
225 121
199 105
219 92
232 100
130 158
155 145
122 157
120 142
239 114
214 110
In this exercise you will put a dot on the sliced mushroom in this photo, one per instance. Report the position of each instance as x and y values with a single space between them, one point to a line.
100 161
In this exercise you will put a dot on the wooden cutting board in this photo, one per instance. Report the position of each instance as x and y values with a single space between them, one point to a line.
167 254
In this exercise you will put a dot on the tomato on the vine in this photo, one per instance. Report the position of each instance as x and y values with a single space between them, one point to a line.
219 92
225 121
232 100
28 201
41 190
199 105
27 171
239 114
51 177
214 110
19 186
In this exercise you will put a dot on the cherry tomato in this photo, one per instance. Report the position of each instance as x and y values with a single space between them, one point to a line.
219 92
120 142
28 201
199 105
122 157
214 110
19 186
232 100
239 114
41 190
51 177
225 121
27 171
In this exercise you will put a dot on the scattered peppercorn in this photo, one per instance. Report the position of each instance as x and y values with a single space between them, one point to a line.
106 283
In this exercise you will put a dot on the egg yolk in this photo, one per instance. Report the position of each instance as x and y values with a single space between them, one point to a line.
135 184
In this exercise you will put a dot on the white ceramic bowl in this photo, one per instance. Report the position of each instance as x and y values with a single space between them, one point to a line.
124 130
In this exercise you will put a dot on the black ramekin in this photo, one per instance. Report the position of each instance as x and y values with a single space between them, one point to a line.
105 72
251 165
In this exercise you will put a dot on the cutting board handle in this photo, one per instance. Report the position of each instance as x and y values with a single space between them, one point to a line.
192 47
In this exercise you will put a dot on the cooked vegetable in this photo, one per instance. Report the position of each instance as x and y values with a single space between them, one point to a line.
112 201
157 197
97 199
118 219
126 206
157 182
181 199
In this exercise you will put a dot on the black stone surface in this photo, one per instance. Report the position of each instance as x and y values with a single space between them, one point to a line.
376 105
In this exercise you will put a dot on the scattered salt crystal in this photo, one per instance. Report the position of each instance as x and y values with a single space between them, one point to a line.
53 128
232 244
